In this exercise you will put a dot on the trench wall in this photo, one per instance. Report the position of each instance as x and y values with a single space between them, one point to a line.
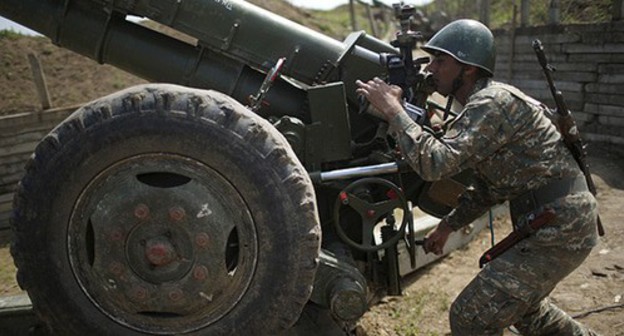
589 63
19 135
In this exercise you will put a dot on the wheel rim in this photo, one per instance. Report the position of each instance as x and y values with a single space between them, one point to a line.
162 244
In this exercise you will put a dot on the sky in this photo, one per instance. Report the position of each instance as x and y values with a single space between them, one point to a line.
10 25
312 4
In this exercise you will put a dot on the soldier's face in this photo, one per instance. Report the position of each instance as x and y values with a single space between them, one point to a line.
444 69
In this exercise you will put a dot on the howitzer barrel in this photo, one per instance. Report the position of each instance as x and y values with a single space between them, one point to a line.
236 42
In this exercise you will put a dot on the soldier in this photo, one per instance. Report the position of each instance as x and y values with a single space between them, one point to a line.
517 155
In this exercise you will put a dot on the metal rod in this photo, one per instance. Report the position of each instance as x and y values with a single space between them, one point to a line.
341 174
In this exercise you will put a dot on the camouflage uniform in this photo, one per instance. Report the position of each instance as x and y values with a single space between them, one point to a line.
513 147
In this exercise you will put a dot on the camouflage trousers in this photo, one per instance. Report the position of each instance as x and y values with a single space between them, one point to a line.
513 290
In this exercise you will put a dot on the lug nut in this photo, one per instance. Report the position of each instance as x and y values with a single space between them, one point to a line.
176 214
139 293
200 273
202 239
176 295
141 211
115 268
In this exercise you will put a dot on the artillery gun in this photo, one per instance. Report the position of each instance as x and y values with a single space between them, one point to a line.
197 207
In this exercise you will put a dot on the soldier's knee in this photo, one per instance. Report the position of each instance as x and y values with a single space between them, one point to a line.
461 317
455 319
481 309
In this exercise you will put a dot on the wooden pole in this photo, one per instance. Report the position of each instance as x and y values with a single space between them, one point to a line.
524 13
512 41
553 12
354 24
484 12
441 5
371 21
618 10
40 81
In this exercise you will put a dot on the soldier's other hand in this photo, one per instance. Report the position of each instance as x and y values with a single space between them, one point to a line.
437 238
385 98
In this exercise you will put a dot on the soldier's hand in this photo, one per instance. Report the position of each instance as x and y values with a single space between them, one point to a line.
385 98
437 238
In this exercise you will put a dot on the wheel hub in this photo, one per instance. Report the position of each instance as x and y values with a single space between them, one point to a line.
162 252
159 252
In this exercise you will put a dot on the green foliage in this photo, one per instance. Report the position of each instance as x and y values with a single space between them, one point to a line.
501 11
412 311
337 22
577 11
9 34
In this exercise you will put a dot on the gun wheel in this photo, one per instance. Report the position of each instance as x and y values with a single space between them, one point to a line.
166 210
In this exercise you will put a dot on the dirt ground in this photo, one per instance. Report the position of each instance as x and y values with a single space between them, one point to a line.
592 293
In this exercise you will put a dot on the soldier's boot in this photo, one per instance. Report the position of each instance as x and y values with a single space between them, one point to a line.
548 319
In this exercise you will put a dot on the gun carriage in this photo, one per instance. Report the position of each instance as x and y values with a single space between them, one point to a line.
198 206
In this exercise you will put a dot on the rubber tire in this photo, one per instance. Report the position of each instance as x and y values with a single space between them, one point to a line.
211 128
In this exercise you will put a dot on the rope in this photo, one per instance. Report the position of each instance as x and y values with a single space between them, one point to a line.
491 224
598 310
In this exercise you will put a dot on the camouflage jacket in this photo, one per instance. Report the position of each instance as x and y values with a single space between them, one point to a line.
512 146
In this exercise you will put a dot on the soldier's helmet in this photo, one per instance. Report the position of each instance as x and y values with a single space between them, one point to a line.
468 41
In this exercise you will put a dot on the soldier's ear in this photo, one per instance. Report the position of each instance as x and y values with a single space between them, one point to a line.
471 71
